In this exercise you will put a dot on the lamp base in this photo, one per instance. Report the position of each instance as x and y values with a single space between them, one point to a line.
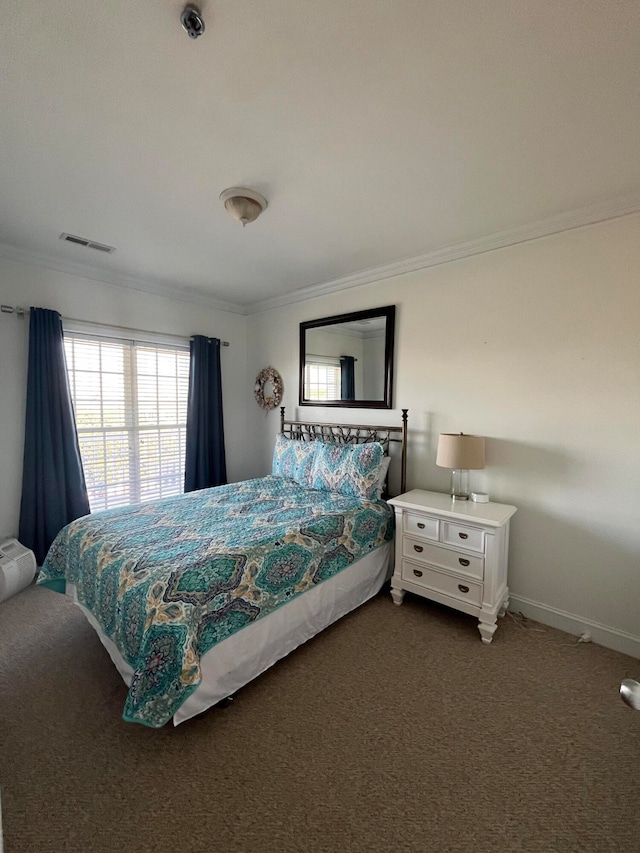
460 484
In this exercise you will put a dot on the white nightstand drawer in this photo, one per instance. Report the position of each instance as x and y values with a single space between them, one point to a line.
443 557
456 587
421 525
464 537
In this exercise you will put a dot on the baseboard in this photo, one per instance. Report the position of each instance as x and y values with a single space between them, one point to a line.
611 638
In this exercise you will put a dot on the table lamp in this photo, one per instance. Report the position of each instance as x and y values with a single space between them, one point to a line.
460 452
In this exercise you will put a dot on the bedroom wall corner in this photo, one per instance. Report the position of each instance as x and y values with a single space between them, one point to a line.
28 285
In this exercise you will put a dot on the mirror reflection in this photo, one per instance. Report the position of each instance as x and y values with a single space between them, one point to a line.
346 360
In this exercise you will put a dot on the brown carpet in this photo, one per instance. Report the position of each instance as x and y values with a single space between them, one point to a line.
394 730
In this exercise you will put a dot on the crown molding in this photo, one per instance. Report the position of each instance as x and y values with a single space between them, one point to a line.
128 282
579 218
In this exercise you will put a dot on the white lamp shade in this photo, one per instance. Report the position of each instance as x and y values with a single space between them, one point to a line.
456 450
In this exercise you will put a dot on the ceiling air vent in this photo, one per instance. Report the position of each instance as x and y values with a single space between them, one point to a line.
90 244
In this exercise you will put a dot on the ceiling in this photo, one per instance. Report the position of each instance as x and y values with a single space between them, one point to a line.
380 132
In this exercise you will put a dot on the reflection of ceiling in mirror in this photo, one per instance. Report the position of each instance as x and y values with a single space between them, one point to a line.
373 328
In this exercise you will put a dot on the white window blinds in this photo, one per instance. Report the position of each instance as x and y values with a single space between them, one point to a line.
322 381
130 402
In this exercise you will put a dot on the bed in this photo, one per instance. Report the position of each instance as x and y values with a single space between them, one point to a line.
194 596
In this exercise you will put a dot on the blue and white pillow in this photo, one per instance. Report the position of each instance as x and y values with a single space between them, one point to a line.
355 470
293 459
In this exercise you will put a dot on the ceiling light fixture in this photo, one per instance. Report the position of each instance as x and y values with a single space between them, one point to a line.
192 21
243 204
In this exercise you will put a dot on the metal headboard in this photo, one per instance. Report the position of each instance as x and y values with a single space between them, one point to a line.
351 434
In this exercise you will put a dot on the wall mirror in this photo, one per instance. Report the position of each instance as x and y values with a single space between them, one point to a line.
347 360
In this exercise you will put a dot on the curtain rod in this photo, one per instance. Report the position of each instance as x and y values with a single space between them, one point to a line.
20 312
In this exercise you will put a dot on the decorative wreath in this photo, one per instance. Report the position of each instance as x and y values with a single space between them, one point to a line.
269 374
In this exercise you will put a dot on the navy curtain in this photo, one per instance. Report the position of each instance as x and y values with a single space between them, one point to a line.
347 377
205 462
54 492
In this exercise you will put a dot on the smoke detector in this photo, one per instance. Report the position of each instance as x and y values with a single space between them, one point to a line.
192 21
243 204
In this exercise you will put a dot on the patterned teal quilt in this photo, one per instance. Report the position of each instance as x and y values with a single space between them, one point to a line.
168 580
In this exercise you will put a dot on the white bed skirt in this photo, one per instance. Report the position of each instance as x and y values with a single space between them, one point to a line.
239 659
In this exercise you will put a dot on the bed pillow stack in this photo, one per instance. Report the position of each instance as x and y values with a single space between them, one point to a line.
355 470
293 459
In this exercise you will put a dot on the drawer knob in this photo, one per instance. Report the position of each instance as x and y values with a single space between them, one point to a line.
463 588
418 548
462 561
417 573
421 525
463 535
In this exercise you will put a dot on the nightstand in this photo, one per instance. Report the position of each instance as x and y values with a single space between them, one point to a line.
453 552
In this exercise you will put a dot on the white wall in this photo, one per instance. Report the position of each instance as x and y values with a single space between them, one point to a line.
373 357
537 347
84 299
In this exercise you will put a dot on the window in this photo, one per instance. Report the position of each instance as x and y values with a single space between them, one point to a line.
322 381
130 402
